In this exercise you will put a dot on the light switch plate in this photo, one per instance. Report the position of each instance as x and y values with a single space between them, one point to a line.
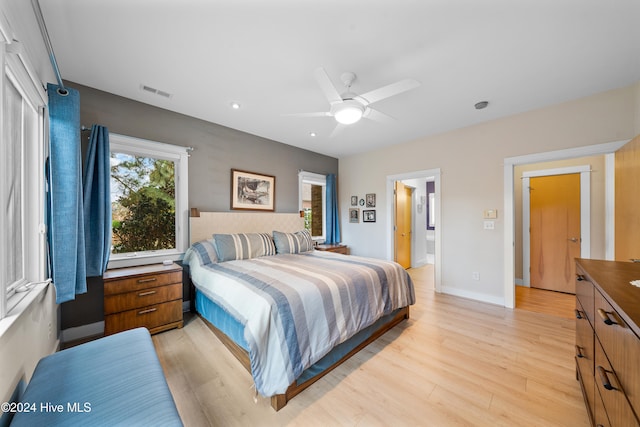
490 214
489 225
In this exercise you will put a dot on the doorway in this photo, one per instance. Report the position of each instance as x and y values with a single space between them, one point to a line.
547 194
607 150
554 231
418 180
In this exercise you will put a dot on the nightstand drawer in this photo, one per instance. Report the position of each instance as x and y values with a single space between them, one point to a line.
155 318
145 281
142 298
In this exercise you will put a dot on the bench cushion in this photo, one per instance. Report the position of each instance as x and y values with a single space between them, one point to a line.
116 380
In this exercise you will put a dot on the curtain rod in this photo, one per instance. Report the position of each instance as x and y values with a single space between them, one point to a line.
47 42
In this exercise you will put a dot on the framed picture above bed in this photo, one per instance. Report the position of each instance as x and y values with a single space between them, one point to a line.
252 191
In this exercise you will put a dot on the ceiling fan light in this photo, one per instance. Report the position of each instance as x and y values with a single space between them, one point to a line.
348 113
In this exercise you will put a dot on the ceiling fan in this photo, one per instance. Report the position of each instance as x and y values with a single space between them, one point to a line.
348 108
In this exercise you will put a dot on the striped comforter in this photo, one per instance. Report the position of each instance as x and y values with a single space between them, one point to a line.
297 307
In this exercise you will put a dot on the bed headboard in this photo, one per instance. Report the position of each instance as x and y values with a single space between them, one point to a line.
208 223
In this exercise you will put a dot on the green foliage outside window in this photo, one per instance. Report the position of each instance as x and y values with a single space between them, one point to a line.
143 203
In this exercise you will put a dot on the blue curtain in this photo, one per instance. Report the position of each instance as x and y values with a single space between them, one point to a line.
65 223
333 215
97 202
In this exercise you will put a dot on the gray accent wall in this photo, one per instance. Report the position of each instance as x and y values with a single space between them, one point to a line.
217 150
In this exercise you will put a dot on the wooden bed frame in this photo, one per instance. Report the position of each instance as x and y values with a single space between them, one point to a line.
280 400
208 223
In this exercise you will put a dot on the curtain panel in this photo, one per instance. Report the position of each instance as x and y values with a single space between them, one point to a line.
65 223
333 214
97 201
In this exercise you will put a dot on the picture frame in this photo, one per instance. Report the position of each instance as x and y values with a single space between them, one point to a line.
354 215
369 216
371 200
354 200
252 191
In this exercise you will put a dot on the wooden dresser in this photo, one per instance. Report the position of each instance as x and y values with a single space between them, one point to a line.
339 249
607 340
149 296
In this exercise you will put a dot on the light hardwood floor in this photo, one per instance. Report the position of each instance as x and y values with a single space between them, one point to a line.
456 362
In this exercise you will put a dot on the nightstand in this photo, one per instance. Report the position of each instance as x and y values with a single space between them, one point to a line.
338 248
149 296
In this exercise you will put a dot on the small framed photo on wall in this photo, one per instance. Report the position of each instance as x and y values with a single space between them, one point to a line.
371 200
354 200
369 216
354 215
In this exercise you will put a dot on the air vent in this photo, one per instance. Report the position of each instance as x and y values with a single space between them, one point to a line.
155 91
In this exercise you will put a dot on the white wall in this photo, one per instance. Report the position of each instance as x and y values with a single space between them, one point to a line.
471 164
25 338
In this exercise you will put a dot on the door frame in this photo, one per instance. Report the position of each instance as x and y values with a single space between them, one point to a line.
585 213
509 208
428 173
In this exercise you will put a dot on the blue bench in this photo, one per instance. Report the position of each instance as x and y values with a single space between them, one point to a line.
116 380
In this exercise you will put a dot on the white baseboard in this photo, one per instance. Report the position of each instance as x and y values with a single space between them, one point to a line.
473 295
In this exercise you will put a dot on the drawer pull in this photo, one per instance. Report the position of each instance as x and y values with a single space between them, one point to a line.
152 279
580 278
604 378
579 352
605 317
144 294
147 311
578 314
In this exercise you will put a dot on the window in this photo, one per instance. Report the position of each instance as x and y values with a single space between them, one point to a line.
148 201
312 202
21 181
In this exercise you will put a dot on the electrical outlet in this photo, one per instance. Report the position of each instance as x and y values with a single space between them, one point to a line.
49 330
475 275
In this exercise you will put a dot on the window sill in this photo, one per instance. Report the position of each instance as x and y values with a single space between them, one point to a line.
16 312
144 259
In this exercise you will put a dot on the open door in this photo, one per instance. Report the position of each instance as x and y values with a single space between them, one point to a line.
403 221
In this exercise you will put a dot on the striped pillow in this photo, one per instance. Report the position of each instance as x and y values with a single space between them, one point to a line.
204 251
243 246
293 243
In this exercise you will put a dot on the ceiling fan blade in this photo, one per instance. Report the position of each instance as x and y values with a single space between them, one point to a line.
389 91
329 90
317 114
337 130
377 116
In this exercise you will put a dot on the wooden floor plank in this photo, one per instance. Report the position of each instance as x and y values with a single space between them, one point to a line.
456 362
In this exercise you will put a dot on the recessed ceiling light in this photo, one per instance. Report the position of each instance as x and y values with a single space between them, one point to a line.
235 105
312 134
481 105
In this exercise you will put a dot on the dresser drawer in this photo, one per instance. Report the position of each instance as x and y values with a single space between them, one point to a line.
589 392
155 318
616 405
585 355
621 347
135 283
600 416
585 293
142 298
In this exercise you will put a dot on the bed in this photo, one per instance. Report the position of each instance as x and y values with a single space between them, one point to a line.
290 314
